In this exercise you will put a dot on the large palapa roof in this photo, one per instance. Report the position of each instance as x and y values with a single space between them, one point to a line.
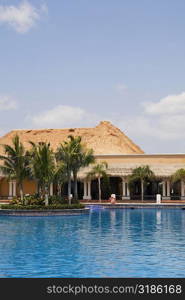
105 138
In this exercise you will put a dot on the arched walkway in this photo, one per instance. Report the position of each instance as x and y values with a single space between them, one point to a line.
64 190
151 188
176 190
113 185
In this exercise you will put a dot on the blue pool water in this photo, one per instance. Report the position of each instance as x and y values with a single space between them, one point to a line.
105 243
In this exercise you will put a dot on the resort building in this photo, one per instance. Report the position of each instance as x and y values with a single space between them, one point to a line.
110 144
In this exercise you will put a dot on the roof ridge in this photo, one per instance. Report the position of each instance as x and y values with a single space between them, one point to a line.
103 138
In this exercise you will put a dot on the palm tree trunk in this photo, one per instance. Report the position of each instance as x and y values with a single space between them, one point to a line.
40 191
69 189
75 186
21 193
142 190
46 196
59 189
99 188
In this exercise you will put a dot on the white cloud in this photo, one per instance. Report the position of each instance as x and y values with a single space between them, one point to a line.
22 17
162 120
151 128
159 129
172 104
63 116
135 126
172 127
6 103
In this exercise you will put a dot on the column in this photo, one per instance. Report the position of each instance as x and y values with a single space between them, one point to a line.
10 192
51 189
89 190
14 188
166 190
182 190
128 191
125 190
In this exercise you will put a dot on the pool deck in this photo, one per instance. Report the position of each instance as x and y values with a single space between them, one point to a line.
105 203
137 205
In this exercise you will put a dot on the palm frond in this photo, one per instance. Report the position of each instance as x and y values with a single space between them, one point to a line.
178 175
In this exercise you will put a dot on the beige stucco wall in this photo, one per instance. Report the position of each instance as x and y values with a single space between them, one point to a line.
4 187
29 187
144 159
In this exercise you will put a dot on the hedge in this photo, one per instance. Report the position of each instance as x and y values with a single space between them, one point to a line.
42 207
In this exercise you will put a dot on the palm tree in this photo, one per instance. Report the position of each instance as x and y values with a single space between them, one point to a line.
74 155
65 153
16 163
42 165
60 176
82 157
76 160
179 175
99 171
142 174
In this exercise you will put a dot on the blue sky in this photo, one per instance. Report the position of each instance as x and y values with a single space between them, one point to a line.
72 63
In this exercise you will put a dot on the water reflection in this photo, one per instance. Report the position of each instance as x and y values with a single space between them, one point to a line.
105 243
158 217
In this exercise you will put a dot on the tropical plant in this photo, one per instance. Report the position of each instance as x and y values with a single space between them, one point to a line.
99 171
42 164
142 173
64 154
179 175
42 207
56 199
74 156
82 157
16 163
60 176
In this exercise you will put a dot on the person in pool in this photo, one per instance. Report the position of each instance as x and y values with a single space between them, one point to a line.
112 199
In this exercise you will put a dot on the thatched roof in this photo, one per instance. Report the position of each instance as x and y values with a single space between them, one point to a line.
159 170
105 138
125 169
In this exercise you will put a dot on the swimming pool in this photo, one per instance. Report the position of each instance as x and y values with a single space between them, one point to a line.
106 243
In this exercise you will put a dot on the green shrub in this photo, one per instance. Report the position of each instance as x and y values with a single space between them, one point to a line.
33 200
28 200
41 207
55 200
15 201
